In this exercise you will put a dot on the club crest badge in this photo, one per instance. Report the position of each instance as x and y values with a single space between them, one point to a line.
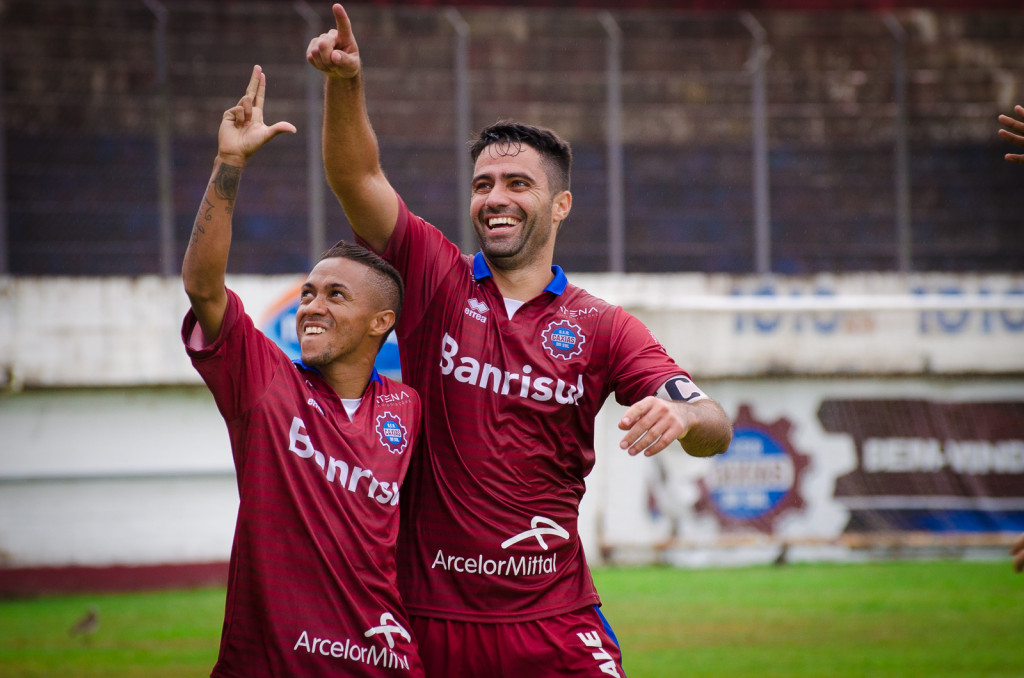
392 433
563 339
757 479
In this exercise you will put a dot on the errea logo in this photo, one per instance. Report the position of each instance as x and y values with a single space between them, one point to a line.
313 403
476 309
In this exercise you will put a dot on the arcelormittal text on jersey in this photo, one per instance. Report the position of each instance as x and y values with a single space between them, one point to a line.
490 506
312 585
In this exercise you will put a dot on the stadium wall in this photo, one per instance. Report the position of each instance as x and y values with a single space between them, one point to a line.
106 157
873 413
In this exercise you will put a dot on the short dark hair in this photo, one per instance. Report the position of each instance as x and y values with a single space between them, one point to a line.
387 281
510 136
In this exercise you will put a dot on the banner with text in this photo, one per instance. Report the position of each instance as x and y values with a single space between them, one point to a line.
817 464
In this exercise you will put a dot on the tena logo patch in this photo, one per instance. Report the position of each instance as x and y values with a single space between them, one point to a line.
563 339
392 433
757 479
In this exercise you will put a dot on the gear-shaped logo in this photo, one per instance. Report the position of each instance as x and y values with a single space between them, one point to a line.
392 433
757 479
563 339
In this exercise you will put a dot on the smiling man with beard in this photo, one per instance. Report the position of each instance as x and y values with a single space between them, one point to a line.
514 364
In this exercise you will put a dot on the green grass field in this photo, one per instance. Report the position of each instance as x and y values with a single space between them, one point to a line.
898 619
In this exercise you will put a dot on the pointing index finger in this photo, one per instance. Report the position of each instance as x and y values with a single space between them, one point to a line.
343 22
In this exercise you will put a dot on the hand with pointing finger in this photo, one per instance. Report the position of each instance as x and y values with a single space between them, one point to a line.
335 52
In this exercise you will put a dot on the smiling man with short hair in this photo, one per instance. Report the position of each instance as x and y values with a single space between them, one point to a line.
321 447
514 364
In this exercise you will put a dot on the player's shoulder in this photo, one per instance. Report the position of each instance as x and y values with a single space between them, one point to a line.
602 317
417 230
578 295
578 302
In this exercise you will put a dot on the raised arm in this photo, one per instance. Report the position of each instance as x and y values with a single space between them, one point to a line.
1017 549
351 153
242 132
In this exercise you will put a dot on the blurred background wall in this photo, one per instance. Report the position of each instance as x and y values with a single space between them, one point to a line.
806 202
878 137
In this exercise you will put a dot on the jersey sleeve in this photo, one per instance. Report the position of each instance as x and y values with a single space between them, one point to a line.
638 362
238 365
424 257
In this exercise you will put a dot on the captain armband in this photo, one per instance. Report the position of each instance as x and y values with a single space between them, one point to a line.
680 389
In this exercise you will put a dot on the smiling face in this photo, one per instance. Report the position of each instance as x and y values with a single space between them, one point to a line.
514 208
339 316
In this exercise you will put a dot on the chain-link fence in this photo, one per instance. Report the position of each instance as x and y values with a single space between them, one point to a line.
778 142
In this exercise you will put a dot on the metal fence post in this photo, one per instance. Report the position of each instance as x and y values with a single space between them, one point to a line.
759 52
5 266
904 257
616 202
165 180
463 170
315 178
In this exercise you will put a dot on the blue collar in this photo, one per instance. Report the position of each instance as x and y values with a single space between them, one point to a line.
481 270
374 376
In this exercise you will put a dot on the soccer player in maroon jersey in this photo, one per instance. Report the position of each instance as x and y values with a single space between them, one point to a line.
1016 137
513 363
320 446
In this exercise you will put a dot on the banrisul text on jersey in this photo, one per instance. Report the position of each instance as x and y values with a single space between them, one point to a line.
383 491
526 383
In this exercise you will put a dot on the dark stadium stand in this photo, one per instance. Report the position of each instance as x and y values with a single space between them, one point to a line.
81 151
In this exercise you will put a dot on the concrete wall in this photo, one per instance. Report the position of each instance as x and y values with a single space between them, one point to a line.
114 476
58 332
113 453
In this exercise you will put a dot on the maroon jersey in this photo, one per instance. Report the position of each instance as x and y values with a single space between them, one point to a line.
490 508
312 583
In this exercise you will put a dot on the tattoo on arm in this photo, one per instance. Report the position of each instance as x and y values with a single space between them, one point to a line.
204 215
225 184
225 187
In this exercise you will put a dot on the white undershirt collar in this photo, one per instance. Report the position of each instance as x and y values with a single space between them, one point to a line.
351 405
512 305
